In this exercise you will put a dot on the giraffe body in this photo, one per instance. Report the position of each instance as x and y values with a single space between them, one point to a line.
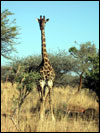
47 73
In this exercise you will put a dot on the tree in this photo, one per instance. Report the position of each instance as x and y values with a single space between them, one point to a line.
9 32
92 77
82 56
62 63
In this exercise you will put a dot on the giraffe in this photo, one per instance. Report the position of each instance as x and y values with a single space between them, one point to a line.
47 73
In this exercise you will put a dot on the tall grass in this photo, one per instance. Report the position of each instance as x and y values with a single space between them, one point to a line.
62 99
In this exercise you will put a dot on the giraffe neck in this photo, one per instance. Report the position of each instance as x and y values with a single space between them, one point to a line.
44 52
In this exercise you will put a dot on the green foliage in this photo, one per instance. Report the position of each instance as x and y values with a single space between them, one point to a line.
9 31
4 73
82 56
63 64
92 77
27 79
25 83
67 79
73 51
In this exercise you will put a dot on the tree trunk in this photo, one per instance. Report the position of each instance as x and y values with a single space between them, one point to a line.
80 84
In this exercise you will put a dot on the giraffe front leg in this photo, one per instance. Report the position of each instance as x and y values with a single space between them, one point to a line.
42 111
42 107
50 84
42 85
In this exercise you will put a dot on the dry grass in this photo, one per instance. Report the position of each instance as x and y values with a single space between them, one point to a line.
62 99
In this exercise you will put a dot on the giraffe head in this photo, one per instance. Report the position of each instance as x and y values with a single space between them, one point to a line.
42 22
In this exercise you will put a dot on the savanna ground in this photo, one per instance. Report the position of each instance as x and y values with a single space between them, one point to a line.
64 100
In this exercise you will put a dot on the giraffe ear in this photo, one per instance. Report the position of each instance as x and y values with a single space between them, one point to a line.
37 19
47 20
